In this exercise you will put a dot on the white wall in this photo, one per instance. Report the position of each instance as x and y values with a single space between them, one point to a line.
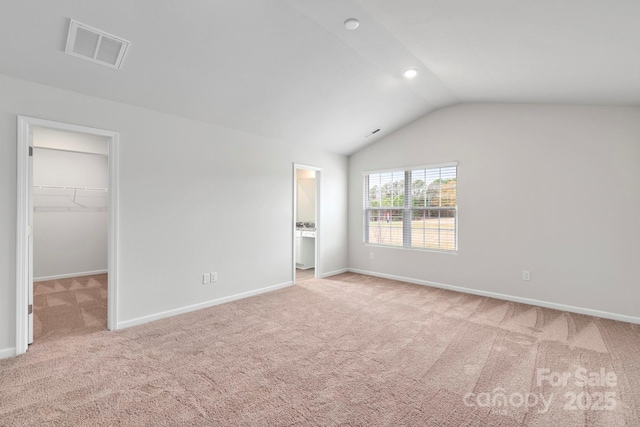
550 189
69 239
194 198
306 198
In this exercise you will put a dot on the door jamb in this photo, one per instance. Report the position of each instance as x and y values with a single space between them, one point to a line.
25 125
318 259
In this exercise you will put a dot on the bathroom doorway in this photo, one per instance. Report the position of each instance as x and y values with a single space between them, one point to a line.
306 222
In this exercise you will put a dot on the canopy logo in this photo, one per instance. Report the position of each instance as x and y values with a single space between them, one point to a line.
499 399
584 400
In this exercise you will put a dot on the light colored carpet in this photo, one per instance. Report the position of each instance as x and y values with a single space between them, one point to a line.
69 306
349 350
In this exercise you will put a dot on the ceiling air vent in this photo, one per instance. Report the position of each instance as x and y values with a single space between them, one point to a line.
95 45
367 135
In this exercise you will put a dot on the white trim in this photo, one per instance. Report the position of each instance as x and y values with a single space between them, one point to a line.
294 189
334 273
69 275
6 353
22 248
307 167
317 272
529 301
114 233
200 306
22 238
408 168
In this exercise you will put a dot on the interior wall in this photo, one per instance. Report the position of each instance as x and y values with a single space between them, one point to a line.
194 198
306 197
69 239
551 189
74 141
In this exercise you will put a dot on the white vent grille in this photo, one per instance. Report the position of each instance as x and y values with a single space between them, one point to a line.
95 45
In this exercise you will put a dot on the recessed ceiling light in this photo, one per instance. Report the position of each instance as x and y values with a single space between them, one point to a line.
351 24
411 73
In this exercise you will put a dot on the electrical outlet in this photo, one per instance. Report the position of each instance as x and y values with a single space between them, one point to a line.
214 276
526 275
370 255
206 278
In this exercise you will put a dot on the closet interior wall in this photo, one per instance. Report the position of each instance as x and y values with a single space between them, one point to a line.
70 210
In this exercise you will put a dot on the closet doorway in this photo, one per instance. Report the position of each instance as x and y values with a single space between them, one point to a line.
306 222
66 261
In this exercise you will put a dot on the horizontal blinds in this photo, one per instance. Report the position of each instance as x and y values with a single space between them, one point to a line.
435 187
386 189
414 167
414 208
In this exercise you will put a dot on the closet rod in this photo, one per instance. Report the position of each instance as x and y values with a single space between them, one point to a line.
54 187
67 209
70 151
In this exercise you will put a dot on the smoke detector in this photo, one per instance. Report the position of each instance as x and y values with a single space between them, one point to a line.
95 45
351 24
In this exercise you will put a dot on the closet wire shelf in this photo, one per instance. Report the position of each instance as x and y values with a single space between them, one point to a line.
50 198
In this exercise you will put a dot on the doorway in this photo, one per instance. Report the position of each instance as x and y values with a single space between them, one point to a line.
306 184
67 198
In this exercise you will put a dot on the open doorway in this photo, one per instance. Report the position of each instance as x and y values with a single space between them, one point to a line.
70 200
67 230
306 224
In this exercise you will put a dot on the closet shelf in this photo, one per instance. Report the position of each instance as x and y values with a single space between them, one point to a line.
63 198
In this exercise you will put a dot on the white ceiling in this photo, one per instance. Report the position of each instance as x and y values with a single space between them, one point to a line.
289 70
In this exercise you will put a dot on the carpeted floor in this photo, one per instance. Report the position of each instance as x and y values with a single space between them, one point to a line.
349 350
69 306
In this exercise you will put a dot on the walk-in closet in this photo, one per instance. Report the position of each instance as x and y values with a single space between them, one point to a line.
70 231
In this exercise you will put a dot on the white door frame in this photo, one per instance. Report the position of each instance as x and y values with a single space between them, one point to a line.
23 268
318 258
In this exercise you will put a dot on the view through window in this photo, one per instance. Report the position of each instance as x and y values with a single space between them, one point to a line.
413 208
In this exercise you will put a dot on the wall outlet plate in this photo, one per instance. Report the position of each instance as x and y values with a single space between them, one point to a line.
214 276
526 275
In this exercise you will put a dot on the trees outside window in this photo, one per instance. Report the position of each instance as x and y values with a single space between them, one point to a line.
413 208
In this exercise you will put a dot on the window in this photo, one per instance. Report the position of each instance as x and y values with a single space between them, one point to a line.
412 208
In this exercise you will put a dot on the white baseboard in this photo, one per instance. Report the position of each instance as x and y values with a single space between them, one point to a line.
334 273
6 353
199 306
69 275
546 304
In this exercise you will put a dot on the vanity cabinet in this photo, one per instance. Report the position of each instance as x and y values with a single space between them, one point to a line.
305 249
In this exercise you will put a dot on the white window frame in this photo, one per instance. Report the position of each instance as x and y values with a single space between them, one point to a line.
407 209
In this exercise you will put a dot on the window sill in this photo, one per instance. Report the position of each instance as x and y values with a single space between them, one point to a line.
438 251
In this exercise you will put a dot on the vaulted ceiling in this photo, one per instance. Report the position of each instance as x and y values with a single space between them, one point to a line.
289 70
